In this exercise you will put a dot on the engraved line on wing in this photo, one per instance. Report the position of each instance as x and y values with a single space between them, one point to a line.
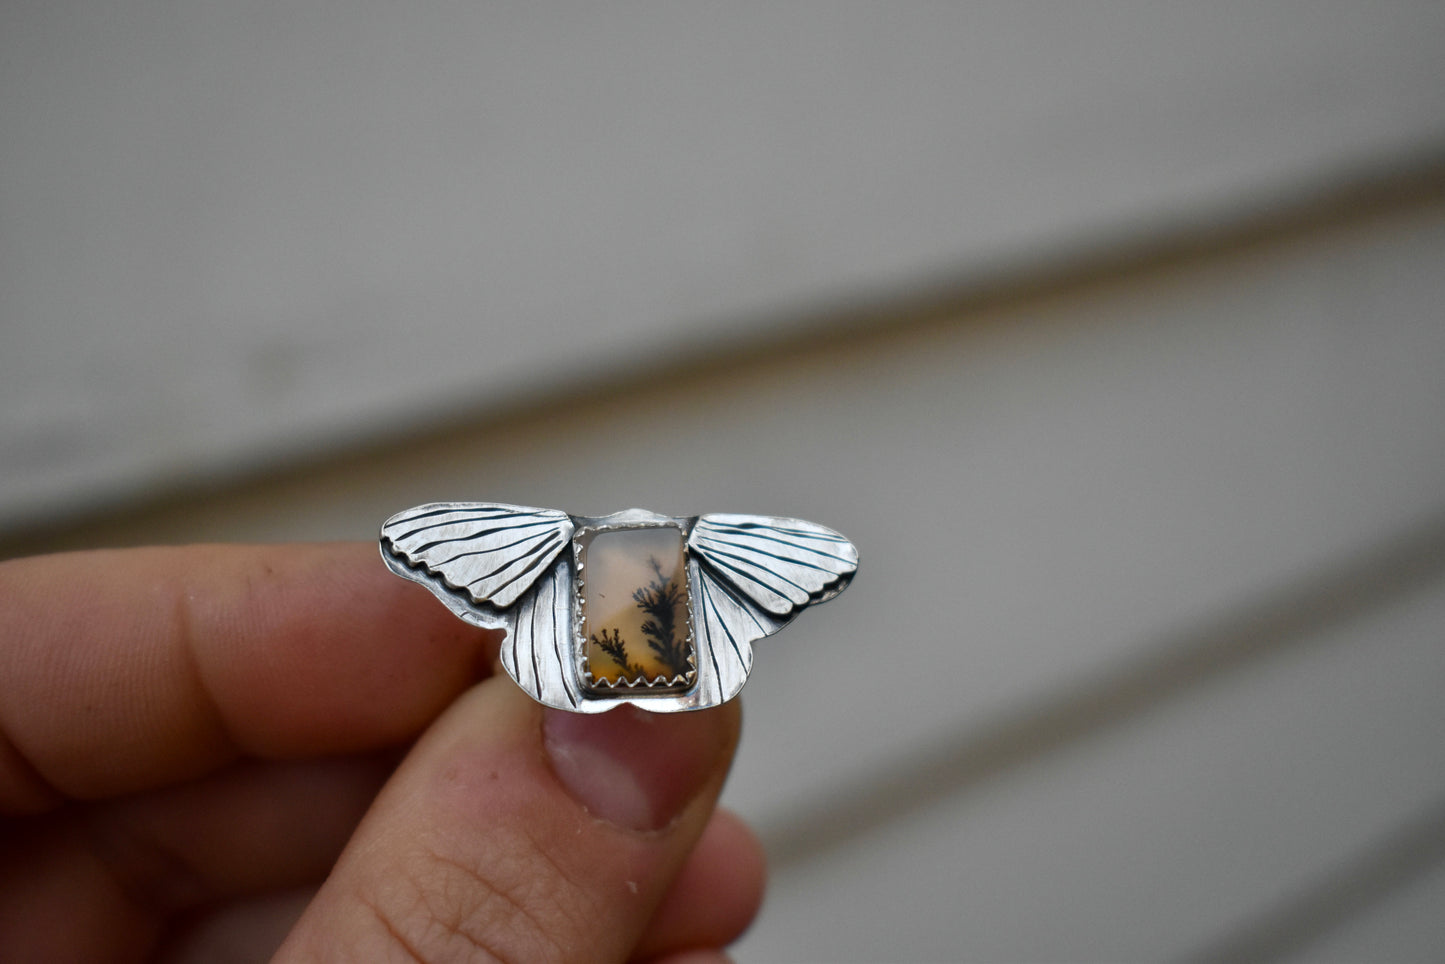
535 538
821 534
722 569
792 560
707 633
761 535
511 647
712 604
532 630
464 509
457 517
534 559
535 562
755 567
557 632
749 609
468 537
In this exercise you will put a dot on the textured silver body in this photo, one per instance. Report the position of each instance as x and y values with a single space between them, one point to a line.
519 568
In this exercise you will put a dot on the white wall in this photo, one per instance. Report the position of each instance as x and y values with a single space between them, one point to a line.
232 233
1144 657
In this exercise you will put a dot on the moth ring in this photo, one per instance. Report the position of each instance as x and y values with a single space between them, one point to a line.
657 611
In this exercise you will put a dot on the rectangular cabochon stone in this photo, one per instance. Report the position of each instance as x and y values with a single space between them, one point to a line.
635 613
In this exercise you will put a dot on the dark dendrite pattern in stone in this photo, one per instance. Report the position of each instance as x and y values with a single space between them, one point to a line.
635 617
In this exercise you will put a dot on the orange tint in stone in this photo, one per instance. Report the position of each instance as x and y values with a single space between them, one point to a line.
635 616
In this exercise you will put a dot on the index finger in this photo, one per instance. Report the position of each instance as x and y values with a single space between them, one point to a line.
126 669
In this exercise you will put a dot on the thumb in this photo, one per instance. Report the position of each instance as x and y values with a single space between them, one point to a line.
517 833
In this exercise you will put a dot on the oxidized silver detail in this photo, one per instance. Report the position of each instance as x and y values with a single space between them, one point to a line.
504 567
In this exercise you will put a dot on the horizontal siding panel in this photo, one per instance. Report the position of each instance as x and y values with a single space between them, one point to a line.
1154 840
1048 494
236 235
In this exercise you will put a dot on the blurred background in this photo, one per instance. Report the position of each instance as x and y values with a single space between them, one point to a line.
1112 333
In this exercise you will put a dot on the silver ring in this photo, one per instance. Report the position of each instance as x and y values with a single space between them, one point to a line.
634 607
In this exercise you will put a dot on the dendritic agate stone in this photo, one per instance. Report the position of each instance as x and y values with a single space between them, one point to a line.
636 623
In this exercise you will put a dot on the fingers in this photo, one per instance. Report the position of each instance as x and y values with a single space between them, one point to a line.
716 895
515 833
243 932
710 904
121 670
97 882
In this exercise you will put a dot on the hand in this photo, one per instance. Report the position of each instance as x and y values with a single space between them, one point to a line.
191 739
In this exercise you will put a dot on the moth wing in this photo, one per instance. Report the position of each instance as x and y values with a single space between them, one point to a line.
725 624
781 565
537 650
488 553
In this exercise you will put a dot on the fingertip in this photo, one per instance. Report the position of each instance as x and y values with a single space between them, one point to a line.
478 841
718 893
637 769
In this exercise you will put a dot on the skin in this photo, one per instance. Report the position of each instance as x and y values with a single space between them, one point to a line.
203 748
